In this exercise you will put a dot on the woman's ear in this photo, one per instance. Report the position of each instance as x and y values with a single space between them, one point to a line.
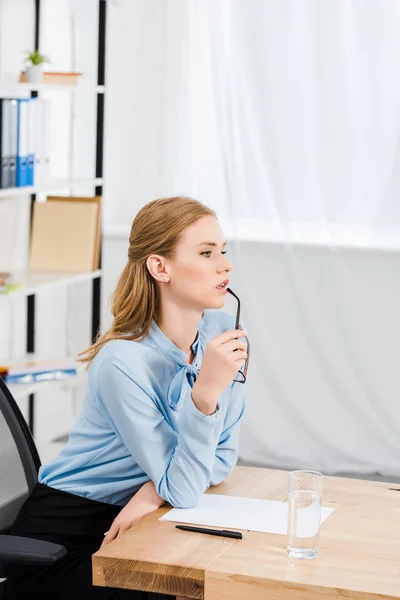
157 267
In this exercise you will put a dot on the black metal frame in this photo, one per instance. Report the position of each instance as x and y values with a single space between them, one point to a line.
243 372
101 73
96 284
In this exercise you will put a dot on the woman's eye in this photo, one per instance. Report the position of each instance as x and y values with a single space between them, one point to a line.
209 252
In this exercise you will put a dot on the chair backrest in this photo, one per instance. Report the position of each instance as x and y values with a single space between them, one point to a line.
19 459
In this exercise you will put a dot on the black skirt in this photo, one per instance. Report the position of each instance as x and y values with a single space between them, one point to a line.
78 524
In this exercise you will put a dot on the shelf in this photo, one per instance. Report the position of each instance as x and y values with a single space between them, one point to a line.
20 390
53 186
36 281
14 89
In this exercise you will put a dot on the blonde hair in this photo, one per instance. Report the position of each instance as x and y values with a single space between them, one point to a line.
156 229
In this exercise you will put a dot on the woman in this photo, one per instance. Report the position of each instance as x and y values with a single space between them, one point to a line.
160 419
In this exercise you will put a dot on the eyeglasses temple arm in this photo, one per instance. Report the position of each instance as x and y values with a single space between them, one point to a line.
238 309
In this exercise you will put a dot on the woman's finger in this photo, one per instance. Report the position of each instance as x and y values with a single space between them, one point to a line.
111 534
227 336
240 355
123 528
234 345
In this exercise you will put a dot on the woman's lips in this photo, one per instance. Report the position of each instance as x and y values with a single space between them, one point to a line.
224 284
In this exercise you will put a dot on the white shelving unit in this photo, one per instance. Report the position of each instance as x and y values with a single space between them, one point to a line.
52 187
14 89
36 281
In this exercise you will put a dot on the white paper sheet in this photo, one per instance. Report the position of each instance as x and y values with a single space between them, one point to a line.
231 512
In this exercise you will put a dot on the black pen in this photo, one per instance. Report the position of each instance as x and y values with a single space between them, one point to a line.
221 532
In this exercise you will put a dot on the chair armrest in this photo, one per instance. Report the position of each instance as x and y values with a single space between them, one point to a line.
28 551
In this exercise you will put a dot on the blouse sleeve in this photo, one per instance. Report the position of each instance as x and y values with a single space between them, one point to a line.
180 465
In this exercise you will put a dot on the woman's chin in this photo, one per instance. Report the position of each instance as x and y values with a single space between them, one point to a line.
217 302
213 301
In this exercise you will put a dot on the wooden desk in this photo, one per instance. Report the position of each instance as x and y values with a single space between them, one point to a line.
359 556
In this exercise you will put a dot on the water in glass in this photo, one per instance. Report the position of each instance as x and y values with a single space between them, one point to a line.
304 517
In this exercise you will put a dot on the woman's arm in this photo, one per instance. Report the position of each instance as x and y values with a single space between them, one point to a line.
226 454
145 501
179 464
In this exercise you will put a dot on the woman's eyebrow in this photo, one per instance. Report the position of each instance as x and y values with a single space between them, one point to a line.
210 244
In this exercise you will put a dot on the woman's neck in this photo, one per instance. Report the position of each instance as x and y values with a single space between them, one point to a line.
181 328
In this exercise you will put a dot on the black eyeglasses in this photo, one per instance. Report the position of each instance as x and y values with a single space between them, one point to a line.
241 377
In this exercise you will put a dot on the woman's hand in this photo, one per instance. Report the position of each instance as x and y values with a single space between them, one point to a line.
223 357
142 503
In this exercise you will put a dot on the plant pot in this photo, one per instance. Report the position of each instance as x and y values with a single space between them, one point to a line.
34 73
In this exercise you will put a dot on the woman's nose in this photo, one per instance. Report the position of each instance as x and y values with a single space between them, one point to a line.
225 266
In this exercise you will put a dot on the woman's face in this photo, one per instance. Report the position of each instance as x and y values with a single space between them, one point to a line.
200 265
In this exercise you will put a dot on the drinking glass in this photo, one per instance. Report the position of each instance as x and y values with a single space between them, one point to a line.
304 513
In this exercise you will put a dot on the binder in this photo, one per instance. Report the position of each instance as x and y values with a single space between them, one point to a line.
30 175
13 108
8 141
42 140
4 167
22 146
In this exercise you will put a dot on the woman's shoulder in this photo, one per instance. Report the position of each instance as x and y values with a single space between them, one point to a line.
121 362
124 354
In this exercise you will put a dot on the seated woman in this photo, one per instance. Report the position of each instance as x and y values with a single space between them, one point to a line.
161 415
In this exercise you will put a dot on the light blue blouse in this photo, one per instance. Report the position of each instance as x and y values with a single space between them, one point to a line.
138 423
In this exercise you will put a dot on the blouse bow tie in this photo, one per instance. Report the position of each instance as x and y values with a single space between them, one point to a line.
182 384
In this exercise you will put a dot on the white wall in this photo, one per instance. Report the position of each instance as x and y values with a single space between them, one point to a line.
17 34
133 109
133 125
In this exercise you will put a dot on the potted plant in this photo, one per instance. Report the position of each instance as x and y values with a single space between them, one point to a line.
34 69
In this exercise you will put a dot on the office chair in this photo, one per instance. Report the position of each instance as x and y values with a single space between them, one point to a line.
19 465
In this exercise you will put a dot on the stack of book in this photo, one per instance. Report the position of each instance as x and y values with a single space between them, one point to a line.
37 370
24 141
55 78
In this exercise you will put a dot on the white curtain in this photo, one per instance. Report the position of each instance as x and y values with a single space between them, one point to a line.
284 116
